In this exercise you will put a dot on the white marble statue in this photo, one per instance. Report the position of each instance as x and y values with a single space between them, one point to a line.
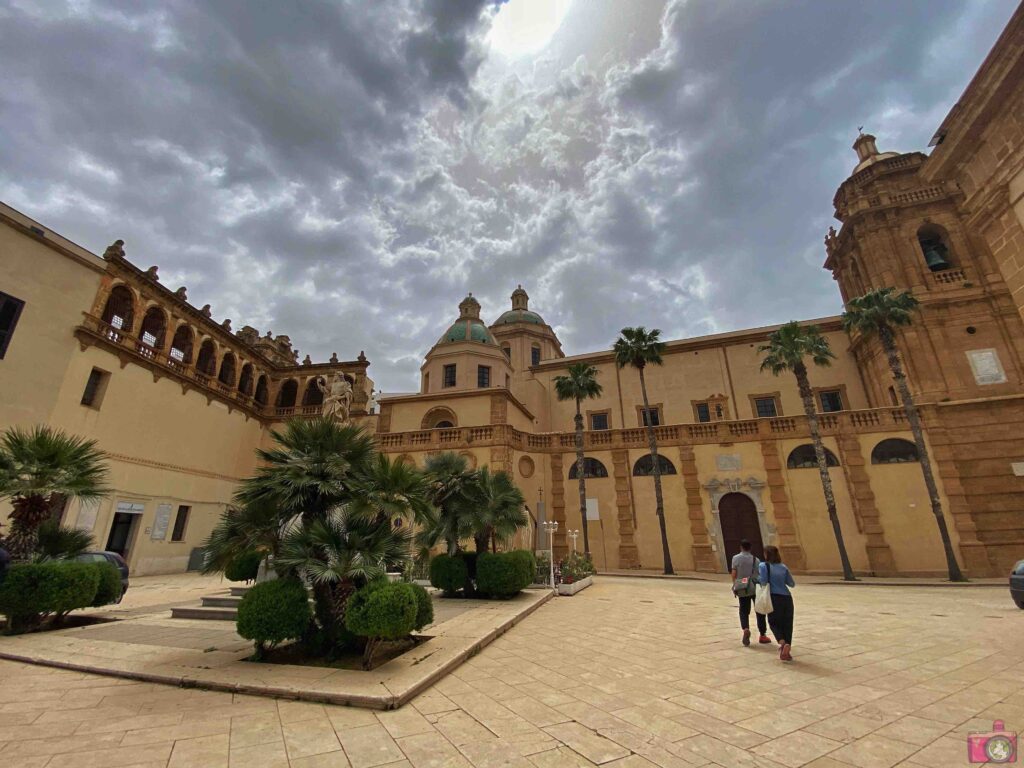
337 397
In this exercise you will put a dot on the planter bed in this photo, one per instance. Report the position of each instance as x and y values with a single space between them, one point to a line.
568 590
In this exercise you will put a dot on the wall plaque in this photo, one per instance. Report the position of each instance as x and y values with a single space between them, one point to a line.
986 366
728 462
162 521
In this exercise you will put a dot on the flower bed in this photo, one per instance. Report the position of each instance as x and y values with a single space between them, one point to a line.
571 588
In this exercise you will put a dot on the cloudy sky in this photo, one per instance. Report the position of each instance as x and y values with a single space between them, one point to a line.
345 173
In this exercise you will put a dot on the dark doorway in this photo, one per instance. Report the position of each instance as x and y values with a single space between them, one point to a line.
121 533
738 516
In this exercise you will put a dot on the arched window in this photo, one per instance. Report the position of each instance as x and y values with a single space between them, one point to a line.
802 457
227 370
206 362
894 450
507 350
261 390
288 393
644 466
312 395
934 244
245 380
444 424
591 468
181 345
153 328
535 354
119 311
439 418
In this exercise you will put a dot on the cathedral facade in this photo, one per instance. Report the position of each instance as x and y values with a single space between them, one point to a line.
99 347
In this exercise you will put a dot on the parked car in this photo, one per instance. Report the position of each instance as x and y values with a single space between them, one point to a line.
1017 584
110 557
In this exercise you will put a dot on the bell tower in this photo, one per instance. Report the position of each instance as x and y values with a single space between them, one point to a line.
899 229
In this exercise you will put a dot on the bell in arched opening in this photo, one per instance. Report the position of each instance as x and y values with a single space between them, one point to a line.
934 248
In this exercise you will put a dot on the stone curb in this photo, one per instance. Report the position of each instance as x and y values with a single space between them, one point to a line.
394 701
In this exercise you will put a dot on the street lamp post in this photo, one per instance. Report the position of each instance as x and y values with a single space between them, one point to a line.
549 529
573 534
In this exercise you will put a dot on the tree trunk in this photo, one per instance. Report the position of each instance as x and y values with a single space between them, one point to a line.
914 419
582 481
27 514
807 396
659 499
482 539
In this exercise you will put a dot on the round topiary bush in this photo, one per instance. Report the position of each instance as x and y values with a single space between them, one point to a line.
424 607
109 589
243 567
525 559
381 612
33 591
273 612
502 575
449 574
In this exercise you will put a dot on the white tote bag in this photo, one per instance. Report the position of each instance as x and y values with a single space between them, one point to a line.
763 598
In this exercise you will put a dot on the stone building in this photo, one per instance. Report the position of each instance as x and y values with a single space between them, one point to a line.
98 347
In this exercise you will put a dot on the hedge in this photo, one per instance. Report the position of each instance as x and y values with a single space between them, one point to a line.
424 607
382 611
273 612
243 567
504 574
109 589
33 591
449 574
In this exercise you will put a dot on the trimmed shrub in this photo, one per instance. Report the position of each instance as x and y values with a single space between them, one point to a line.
381 612
504 574
449 574
244 567
109 589
527 562
424 607
33 591
273 612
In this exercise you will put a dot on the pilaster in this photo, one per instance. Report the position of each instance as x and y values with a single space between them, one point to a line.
880 557
629 557
557 502
703 557
785 523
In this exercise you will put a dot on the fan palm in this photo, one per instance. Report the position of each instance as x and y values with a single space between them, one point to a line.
39 465
452 486
497 509
879 313
787 349
314 466
579 384
254 527
639 348
59 542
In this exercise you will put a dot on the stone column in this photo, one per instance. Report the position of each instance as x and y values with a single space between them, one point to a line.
703 557
557 504
862 497
501 459
785 523
629 557
499 409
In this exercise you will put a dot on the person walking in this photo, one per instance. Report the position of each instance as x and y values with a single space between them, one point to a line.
776 575
744 580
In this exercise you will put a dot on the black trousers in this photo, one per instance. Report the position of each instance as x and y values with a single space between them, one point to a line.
781 618
745 604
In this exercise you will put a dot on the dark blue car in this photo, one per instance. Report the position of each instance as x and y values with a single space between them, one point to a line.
1017 584
110 557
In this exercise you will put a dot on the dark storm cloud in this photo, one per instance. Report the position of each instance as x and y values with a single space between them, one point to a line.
345 171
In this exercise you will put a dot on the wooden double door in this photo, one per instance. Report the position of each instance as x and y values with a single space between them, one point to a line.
738 517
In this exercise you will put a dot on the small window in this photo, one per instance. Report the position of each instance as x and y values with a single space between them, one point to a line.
10 311
180 523
598 421
765 408
831 400
703 411
95 388
483 376
534 355
449 375
443 424
894 451
591 468
644 466
650 417
507 350
508 381
803 457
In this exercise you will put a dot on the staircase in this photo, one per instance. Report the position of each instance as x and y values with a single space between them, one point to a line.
219 607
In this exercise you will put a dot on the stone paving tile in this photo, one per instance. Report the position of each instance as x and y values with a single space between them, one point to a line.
655 677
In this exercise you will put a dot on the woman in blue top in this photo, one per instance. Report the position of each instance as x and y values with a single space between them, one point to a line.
772 571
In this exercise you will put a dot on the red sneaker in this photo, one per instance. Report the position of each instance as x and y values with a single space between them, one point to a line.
746 637
764 639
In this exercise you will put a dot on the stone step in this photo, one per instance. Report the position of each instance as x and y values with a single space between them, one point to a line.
199 612
221 601
239 591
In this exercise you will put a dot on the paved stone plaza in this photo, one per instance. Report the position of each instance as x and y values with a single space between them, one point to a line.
630 673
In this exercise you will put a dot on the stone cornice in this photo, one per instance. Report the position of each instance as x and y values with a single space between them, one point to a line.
41 235
455 394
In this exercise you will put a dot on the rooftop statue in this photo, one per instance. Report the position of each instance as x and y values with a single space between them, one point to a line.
337 397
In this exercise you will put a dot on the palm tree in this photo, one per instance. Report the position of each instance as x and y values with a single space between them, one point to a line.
580 384
497 512
254 527
451 487
878 312
37 467
639 348
786 350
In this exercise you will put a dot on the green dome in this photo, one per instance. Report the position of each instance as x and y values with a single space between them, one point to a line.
519 316
467 329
